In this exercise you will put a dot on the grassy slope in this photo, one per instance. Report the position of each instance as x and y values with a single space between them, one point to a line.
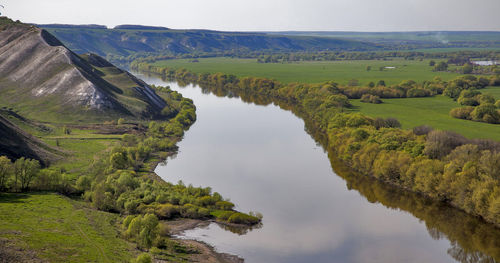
315 72
431 111
60 229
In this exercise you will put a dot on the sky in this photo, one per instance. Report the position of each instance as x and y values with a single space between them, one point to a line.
266 15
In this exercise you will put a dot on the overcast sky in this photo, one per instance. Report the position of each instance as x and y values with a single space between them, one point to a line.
266 15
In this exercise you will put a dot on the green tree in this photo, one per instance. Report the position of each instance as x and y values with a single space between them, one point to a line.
6 171
441 66
26 170
432 63
381 83
149 231
143 258
467 68
119 160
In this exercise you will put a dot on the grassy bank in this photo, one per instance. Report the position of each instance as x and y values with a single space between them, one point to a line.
314 72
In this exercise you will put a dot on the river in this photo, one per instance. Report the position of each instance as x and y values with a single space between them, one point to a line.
262 159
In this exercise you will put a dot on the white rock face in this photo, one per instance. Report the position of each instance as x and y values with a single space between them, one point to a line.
39 66
28 59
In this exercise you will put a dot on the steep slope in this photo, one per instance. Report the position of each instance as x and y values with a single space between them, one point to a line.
129 39
46 81
15 143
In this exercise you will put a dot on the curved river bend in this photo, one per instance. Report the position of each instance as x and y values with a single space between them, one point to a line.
262 159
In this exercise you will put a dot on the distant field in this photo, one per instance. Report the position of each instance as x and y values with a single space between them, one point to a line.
315 72
432 111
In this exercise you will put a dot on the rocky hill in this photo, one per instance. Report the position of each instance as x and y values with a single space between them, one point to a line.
44 80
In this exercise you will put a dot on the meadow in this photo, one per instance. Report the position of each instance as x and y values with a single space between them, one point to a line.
315 72
432 111
59 229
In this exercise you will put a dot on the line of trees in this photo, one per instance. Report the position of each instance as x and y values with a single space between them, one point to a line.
457 58
19 175
439 164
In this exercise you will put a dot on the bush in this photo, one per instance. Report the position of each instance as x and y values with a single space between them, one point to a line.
441 143
422 130
360 134
240 218
143 258
462 113
368 98
386 123
224 205
167 211
486 113
417 92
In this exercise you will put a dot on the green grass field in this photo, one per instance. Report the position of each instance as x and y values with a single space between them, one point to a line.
60 229
493 91
432 111
315 72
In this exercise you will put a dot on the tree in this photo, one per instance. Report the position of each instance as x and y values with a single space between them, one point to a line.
149 231
143 258
25 171
368 68
432 63
441 66
119 160
6 170
381 83
120 121
467 69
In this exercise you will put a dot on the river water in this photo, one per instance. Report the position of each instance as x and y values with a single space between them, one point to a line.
262 159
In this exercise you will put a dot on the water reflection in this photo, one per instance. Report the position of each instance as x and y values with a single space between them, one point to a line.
261 158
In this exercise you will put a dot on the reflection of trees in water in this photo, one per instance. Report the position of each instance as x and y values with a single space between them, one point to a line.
471 239
238 229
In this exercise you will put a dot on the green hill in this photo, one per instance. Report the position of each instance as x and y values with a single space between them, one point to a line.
129 39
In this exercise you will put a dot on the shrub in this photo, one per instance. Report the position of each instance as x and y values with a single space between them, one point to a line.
360 134
143 258
368 98
462 113
223 215
166 211
386 123
240 218
422 130
441 143
224 205
417 92
486 98
486 113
